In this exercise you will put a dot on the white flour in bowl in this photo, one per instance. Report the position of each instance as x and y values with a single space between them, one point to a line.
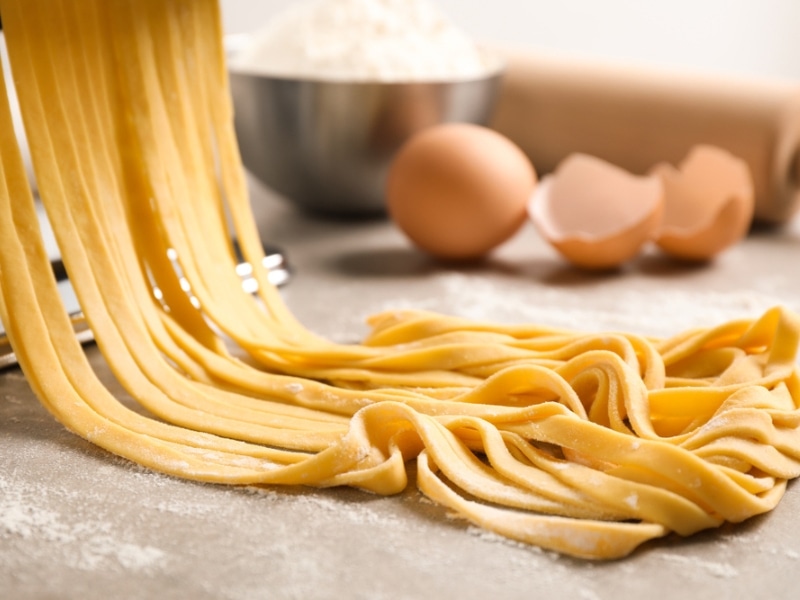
365 40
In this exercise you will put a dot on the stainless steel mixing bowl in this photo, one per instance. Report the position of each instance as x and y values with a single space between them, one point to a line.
326 145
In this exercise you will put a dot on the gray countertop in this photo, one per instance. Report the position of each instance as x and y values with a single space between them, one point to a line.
76 522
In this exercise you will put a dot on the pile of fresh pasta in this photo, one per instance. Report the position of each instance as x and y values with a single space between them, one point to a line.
583 443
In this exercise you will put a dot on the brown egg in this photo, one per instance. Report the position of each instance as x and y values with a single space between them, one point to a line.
709 203
596 214
458 190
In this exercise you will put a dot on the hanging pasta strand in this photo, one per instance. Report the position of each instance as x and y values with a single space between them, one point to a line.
585 443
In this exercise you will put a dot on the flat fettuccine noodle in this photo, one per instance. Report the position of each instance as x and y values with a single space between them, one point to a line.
584 443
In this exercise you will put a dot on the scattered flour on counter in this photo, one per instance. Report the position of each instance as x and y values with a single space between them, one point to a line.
649 312
716 569
586 594
86 545
550 567
364 40
496 538
356 512
187 509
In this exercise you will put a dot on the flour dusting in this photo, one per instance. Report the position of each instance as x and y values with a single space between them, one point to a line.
83 544
661 312
716 569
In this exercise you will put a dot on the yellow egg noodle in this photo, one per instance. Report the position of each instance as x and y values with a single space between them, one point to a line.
584 443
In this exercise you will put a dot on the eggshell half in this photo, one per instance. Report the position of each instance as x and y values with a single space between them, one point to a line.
596 214
709 203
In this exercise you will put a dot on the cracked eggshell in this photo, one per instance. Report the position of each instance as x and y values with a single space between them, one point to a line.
596 214
709 204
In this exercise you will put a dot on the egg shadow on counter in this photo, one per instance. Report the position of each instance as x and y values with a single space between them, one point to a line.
384 262
661 265
560 273
393 261
409 262
787 231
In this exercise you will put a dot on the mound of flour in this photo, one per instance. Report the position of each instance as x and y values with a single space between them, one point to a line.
364 40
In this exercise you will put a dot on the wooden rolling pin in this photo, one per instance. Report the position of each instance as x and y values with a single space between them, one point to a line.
636 118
